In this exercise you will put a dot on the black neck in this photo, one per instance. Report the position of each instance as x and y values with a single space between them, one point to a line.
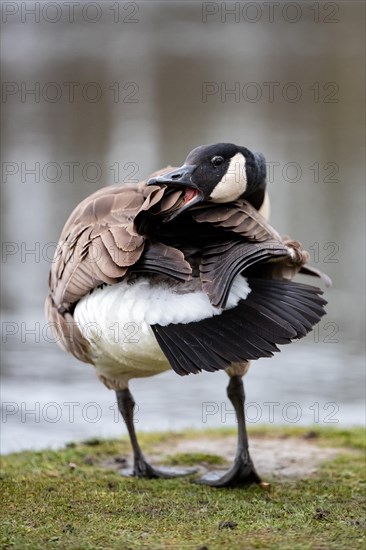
256 198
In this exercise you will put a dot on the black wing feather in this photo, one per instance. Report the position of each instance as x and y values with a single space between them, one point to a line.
221 263
275 312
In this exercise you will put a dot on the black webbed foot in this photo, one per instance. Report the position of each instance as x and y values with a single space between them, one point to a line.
241 474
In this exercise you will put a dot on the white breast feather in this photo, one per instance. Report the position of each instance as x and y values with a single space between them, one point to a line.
116 321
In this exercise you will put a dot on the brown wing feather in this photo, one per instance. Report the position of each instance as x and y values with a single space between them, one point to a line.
98 245
238 217
242 219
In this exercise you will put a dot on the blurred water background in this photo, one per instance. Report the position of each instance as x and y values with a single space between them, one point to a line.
108 92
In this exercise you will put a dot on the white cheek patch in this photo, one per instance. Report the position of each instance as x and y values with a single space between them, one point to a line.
265 209
234 182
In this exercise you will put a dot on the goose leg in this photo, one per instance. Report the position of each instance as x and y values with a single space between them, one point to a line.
142 468
243 471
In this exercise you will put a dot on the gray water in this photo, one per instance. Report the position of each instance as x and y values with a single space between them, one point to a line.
297 96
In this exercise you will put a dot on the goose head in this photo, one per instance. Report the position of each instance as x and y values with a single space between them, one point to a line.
219 173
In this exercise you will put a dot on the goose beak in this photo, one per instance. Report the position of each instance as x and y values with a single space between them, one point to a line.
180 178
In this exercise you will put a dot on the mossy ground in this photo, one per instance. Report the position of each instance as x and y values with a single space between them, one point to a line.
67 499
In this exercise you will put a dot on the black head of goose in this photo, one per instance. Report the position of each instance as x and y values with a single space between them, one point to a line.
220 173
182 273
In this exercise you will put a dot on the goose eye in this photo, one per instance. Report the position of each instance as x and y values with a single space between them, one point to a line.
217 161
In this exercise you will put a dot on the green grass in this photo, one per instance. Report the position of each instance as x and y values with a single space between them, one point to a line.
70 500
191 459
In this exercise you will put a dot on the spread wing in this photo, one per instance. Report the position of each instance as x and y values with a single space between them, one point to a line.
275 312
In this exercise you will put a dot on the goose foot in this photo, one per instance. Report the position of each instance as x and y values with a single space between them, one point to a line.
241 474
141 467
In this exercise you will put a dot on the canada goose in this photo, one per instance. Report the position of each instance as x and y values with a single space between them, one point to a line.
187 263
